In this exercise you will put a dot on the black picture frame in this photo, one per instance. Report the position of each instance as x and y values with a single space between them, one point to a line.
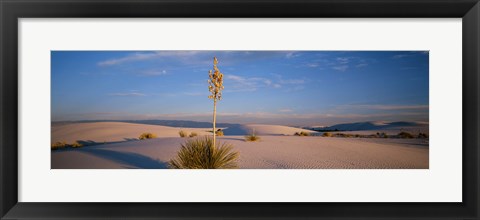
12 10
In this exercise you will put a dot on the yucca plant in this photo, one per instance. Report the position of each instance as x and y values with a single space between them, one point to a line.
215 86
252 136
200 153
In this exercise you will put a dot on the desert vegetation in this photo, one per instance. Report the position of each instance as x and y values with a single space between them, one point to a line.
59 145
327 134
144 136
76 144
183 133
200 153
205 153
193 134
215 86
252 137
63 145
302 133
404 134
422 135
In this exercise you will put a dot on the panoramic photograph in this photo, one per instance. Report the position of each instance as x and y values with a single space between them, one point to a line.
239 109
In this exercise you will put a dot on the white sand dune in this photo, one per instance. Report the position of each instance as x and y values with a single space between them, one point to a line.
263 130
381 126
273 151
113 131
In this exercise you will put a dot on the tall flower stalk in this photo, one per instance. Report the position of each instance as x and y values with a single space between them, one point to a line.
215 86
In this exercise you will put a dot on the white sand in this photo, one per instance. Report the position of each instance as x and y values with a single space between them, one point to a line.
272 152
114 131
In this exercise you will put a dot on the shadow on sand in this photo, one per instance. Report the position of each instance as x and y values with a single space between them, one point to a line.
133 160
93 143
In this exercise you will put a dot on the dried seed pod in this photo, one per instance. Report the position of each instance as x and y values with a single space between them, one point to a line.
215 82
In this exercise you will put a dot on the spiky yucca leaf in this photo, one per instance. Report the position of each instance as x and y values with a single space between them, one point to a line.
200 153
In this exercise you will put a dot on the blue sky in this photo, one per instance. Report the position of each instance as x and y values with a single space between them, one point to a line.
300 88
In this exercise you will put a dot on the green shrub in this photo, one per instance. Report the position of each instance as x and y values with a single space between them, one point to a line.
200 153
76 144
327 134
183 134
302 133
405 135
59 145
147 136
193 134
252 137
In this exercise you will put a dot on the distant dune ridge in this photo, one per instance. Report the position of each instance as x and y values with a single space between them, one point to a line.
263 130
374 126
112 145
113 131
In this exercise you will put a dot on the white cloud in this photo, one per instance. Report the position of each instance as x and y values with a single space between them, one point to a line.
195 93
141 56
132 57
244 84
280 80
341 68
399 56
292 81
153 73
285 110
343 60
127 94
386 107
291 55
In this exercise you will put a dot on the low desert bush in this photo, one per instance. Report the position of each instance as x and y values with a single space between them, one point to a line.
404 134
183 134
302 133
219 132
200 153
252 137
327 134
344 135
59 145
147 136
422 135
76 144
193 134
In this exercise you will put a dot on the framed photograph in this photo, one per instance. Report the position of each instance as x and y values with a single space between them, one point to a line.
256 110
